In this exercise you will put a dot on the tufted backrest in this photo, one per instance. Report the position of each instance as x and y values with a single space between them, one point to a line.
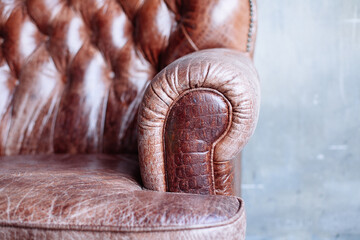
73 72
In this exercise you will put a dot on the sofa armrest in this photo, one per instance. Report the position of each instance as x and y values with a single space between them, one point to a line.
196 116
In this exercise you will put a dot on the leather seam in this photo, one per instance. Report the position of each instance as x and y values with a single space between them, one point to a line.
190 41
222 136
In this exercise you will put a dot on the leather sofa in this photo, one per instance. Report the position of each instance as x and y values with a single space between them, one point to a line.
125 119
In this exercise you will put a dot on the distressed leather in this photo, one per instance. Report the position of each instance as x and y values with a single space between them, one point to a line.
73 74
100 196
231 74
195 122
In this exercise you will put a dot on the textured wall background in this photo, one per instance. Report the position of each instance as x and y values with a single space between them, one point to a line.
301 170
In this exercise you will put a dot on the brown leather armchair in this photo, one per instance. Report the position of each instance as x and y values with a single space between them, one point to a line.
104 101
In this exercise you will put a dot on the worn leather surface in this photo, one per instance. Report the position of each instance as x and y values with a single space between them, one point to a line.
229 72
194 123
72 73
100 196
72 76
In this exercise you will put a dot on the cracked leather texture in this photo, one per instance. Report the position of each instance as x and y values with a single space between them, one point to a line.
195 122
72 77
229 72
100 196
73 73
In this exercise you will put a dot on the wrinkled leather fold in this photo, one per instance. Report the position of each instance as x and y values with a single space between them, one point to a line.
73 73
100 196
228 72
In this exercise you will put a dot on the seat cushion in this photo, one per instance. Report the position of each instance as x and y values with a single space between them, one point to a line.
101 197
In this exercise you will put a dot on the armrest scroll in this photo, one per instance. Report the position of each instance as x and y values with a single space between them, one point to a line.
196 116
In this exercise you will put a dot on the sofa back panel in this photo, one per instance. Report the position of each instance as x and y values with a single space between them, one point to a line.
72 73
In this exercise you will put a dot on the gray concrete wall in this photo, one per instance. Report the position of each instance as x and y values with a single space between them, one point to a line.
301 169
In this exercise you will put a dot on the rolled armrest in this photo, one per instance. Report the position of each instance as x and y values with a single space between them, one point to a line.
197 114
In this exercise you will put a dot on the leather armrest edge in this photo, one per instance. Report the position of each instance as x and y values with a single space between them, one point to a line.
229 72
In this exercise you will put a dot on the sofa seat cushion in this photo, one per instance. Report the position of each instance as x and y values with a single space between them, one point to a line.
101 197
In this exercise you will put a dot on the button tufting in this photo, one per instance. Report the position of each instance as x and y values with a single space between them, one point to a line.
58 40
